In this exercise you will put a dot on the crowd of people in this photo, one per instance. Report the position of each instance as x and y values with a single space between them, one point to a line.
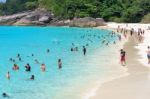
104 41
138 34
88 37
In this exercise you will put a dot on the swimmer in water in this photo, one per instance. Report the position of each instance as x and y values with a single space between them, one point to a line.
103 41
59 64
32 55
73 44
48 50
28 68
18 55
15 67
43 67
11 59
107 44
76 49
20 59
36 61
32 77
87 44
114 42
8 75
71 49
5 95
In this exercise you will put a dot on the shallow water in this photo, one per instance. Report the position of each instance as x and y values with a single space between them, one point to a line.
79 72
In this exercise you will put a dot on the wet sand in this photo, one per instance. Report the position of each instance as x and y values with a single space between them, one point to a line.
134 86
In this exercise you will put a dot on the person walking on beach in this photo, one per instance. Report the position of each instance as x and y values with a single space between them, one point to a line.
148 54
122 57
59 64
84 50
131 31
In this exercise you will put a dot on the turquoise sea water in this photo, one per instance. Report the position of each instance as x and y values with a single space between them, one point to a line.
77 74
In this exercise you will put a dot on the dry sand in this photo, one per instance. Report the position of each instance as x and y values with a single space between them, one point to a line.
134 86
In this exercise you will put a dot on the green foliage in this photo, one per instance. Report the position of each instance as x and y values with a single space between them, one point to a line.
31 5
133 14
146 18
2 7
110 10
15 6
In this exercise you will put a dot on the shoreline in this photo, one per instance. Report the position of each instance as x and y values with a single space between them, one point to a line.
115 48
128 86
109 85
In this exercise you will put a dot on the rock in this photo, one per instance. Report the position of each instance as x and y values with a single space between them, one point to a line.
60 22
23 22
9 20
45 19
87 22
36 17
100 22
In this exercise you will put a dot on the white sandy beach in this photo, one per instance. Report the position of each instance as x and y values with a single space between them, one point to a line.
136 85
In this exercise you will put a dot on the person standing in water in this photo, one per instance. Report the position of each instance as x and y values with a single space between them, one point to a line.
123 58
15 67
59 64
48 50
20 59
148 54
32 54
84 50
43 67
8 75
28 68
18 55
